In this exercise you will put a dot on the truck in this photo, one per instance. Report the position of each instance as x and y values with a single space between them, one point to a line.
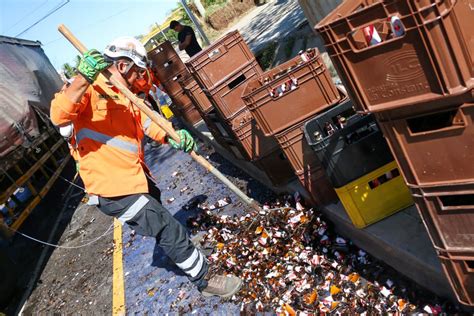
32 153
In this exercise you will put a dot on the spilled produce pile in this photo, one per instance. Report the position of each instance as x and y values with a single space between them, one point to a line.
292 262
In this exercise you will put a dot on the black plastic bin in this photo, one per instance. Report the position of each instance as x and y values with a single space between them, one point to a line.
351 151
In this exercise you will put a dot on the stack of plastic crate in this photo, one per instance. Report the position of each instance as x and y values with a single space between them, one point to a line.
410 63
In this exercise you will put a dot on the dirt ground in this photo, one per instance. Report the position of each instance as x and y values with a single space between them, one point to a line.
78 279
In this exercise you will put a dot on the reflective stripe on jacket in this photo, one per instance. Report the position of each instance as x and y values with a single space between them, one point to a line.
109 135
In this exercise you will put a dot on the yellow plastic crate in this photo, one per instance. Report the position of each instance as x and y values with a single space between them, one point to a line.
375 196
166 111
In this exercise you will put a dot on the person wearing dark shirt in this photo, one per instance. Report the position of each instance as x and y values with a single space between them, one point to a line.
186 37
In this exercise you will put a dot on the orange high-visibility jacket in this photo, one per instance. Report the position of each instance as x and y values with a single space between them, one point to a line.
109 132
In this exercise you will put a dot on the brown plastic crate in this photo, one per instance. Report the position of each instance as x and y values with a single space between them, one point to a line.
315 181
431 60
169 68
197 95
459 269
276 167
223 134
227 96
435 148
191 114
219 60
181 99
236 149
448 214
177 111
161 53
422 109
299 153
172 85
215 132
308 90
251 137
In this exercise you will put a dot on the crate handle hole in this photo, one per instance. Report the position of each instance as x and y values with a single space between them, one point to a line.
458 200
469 265
168 63
214 53
377 33
392 174
360 133
234 83
435 122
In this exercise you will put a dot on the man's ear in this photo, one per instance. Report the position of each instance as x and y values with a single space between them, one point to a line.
121 66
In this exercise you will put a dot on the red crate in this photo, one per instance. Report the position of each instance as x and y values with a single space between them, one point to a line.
197 95
169 68
290 92
315 181
459 269
299 153
435 148
431 60
161 53
276 167
227 96
172 86
256 144
219 60
448 214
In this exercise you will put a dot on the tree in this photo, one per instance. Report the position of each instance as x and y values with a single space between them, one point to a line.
71 71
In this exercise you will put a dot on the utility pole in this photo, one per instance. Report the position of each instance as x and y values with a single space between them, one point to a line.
195 22
161 31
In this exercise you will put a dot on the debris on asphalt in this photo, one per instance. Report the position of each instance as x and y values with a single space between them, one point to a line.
220 203
292 262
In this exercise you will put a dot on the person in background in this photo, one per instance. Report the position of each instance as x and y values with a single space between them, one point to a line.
187 38
109 132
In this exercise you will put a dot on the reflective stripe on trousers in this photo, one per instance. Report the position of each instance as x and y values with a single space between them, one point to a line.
193 265
133 210
106 139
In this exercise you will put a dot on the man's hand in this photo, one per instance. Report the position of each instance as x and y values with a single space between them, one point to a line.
186 143
91 64
186 42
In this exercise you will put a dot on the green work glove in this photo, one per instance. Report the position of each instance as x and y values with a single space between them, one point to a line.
91 64
186 143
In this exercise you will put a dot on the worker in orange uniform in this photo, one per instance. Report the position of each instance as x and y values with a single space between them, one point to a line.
109 132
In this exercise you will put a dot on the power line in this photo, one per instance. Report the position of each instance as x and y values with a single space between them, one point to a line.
48 14
23 18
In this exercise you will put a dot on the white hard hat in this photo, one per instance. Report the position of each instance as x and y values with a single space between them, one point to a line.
129 47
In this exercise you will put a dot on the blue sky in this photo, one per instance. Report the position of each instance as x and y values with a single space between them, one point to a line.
94 22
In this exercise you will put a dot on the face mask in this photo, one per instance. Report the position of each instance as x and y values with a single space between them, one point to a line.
142 84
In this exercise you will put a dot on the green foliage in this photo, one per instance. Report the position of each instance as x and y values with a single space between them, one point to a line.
184 17
208 3
71 71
